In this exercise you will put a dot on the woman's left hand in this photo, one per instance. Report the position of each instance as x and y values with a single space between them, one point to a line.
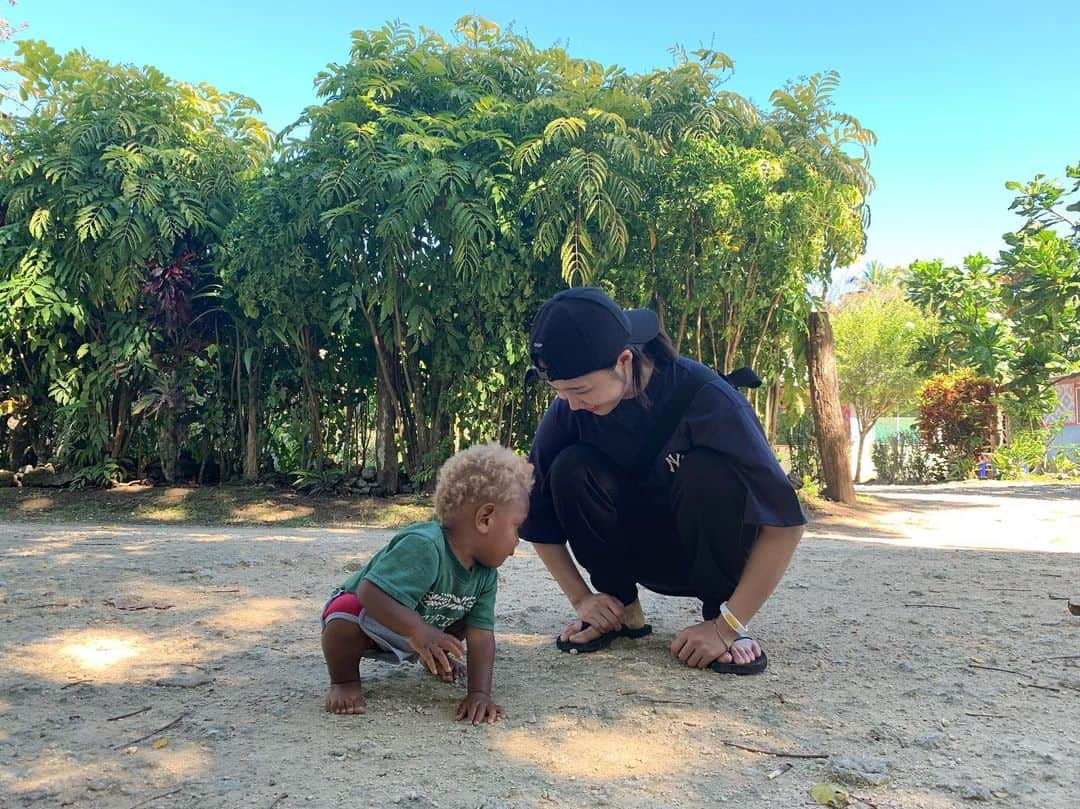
699 645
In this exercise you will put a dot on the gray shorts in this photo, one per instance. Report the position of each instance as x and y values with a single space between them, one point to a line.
389 645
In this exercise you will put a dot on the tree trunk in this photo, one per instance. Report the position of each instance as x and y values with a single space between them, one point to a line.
123 415
168 448
858 459
19 443
251 442
772 411
834 445
697 336
386 454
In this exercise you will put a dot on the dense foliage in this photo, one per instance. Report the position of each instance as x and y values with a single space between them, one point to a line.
181 292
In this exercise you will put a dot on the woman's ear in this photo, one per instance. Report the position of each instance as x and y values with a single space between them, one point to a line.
626 360
484 515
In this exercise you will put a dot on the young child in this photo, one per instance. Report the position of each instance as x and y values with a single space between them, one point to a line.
434 584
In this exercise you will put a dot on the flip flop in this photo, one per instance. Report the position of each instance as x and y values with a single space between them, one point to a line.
602 642
742 669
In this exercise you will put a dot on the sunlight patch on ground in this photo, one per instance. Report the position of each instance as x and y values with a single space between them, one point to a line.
567 747
522 639
959 540
58 770
174 496
270 512
256 613
35 504
100 656
162 513
101 653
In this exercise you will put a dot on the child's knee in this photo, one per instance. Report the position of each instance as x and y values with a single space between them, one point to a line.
339 630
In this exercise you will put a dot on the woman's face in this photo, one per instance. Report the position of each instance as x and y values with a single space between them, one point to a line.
598 392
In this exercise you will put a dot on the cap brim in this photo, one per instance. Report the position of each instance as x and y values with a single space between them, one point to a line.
644 325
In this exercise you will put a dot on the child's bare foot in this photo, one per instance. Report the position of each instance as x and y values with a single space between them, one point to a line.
345 698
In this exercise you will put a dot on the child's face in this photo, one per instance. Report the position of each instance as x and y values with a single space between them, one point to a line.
500 527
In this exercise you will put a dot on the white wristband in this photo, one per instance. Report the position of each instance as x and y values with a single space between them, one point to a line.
732 621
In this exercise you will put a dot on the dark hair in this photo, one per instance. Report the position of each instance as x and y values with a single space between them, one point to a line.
659 351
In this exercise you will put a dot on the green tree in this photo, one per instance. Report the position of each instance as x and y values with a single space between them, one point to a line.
115 173
876 331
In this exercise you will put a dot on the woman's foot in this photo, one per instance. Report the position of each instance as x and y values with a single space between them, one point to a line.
741 652
633 617
345 698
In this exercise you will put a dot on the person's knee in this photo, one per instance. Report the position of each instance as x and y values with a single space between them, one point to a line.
577 468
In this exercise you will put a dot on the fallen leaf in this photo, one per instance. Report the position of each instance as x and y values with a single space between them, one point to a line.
159 743
828 794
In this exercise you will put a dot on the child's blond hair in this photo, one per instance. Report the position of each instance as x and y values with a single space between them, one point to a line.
486 473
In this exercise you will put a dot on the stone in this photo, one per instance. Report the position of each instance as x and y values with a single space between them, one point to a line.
35 795
931 740
859 770
974 792
193 680
369 474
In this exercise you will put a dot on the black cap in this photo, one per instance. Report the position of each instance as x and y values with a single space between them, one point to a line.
582 330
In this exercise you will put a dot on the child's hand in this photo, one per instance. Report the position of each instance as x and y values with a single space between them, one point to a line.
477 707
433 646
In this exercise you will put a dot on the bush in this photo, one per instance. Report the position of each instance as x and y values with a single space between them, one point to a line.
957 418
802 444
1024 455
903 458
325 481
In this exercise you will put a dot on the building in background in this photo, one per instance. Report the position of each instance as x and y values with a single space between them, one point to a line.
1066 414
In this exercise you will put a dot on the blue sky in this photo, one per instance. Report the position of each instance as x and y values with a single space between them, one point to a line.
962 95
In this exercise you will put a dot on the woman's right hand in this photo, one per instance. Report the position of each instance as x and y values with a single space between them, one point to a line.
599 610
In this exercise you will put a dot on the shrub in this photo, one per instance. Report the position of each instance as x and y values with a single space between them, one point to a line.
1025 454
957 418
903 458
805 459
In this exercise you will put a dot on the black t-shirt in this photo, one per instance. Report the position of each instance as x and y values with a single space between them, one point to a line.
718 418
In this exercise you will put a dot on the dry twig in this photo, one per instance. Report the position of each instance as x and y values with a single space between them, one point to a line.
153 733
126 715
156 797
995 668
778 753
1041 687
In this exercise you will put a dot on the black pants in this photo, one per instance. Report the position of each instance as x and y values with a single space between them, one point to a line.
688 541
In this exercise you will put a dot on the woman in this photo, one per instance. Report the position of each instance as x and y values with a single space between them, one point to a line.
657 473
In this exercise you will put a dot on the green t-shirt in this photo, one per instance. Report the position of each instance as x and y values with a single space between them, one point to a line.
418 570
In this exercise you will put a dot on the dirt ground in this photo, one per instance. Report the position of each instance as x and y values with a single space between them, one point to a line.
902 645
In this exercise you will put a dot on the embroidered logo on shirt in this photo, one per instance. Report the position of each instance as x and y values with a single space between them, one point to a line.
448 601
673 460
